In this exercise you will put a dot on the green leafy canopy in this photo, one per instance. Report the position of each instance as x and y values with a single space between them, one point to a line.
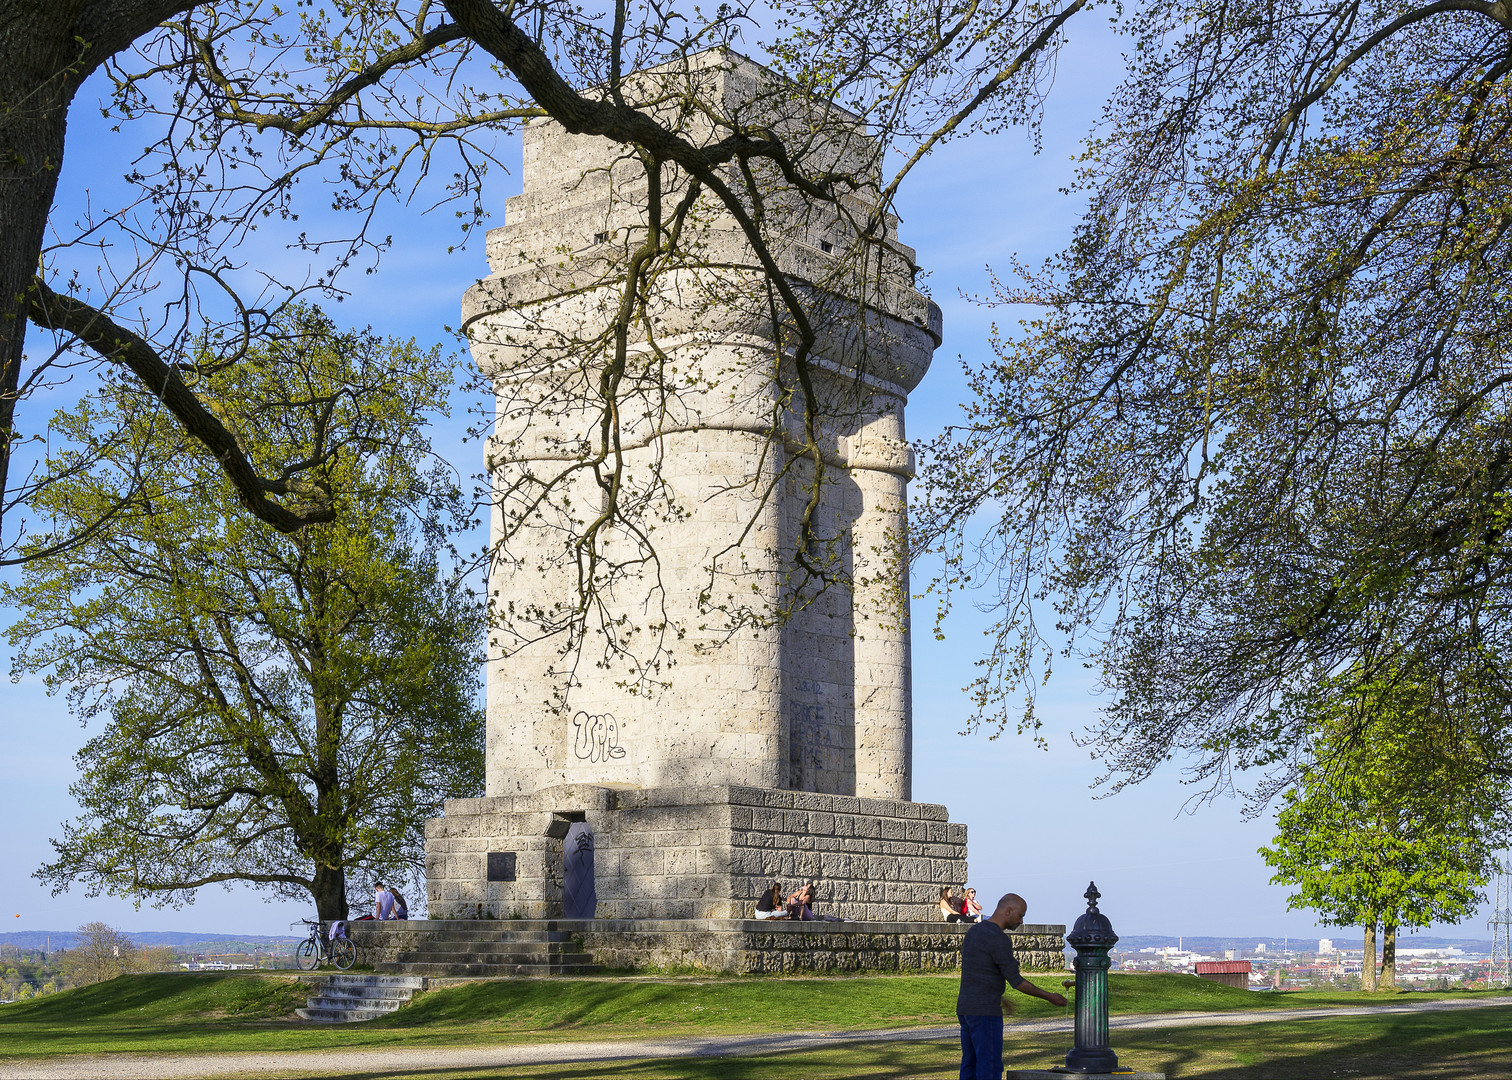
1391 820
279 709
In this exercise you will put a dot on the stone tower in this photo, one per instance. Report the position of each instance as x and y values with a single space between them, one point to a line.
773 738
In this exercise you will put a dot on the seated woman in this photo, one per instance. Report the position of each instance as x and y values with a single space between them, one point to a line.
970 908
769 905
806 897
798 904
950 907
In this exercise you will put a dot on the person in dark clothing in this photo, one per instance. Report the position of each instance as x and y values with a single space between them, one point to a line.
987 966
770 906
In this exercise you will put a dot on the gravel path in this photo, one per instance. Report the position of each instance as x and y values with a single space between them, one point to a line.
415 1059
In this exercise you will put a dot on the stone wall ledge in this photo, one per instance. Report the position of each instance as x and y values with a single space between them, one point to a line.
673 926
736 946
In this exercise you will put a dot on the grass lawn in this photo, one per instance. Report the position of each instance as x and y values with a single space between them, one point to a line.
1469 1045
212 1012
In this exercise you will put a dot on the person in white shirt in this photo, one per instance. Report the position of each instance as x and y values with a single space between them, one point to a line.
383 902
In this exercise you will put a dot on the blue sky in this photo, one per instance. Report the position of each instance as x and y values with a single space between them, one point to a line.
1034 824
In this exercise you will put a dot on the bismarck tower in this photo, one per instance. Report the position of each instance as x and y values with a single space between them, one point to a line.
771 736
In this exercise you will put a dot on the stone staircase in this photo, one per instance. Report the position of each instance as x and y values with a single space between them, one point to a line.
340 999
469 949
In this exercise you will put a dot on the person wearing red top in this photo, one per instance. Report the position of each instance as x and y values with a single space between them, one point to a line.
950 907
970 908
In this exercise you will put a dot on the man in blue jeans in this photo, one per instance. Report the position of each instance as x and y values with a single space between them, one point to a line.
987 966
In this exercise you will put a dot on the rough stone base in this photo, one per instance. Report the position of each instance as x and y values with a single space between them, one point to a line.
750 947
738 946
693 853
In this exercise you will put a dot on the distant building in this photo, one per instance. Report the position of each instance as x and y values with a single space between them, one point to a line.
1325 946
1235 973
1260 948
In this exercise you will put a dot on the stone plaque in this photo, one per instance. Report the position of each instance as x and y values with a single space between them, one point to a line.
501 866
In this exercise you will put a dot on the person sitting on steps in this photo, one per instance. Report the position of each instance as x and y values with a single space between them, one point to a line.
383 901
797 905
806 898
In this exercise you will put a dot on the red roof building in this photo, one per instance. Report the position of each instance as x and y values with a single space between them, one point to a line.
1233 973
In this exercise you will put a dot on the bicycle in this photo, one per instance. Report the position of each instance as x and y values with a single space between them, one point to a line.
318 947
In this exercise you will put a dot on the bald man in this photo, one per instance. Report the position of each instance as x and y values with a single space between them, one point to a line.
987 967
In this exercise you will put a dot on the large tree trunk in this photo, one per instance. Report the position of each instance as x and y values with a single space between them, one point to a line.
1388 958
1368 960
39 71
330 894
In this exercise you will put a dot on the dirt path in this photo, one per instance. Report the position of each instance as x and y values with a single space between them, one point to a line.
415 1059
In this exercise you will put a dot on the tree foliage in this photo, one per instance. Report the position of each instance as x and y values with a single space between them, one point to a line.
1395 827
100 952
279 710
1256 434
238 104
1392 821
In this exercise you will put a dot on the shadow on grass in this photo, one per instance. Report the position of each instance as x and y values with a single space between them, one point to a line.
165 995
875 1061
727 1005
1449 1045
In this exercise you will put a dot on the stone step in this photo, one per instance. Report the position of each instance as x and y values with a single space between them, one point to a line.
367 993
328 996
491 956
397 982
376 1008
450 945
343 999
540 936
340 1015
456 968
452 926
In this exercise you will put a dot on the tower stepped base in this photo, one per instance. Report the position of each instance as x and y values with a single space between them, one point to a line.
469 949
693 853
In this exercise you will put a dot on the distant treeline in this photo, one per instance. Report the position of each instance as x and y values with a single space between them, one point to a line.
223 943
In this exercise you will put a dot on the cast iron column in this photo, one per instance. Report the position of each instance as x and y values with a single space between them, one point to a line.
1092 937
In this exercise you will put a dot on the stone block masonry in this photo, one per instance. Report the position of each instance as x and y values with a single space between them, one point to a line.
733 946
748 947
769 734
767 673
693 853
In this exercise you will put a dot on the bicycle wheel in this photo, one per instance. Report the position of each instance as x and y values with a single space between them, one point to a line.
343 953
307 956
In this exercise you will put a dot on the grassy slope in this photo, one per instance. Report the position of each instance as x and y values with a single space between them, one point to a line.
1469 1045
220 1012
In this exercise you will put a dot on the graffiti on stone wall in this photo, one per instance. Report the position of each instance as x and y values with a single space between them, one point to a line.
808 743
595 737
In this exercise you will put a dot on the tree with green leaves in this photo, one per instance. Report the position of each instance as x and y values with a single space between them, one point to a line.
281 710
1255 427
1391 828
